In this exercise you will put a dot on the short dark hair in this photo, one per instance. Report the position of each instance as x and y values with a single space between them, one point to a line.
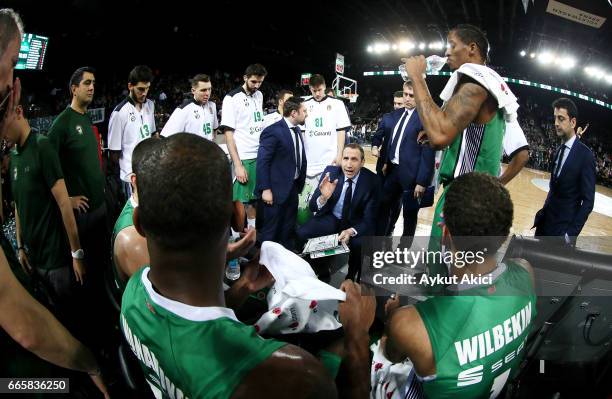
316 80
291 104
142 149
478 212
255 69
140 73
184 192
398 93
281 94
568 105
356 146
200 77
11 26
473 34
77 76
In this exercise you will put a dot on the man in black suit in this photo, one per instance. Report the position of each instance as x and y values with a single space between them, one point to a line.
281 172
379 150
346 202
408 168
572 180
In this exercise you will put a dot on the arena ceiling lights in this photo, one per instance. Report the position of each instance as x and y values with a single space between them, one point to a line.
566 62
404 47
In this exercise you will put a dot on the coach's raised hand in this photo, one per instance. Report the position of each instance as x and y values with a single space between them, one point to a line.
327 187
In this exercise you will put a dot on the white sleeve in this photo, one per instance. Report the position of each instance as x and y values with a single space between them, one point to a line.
215 119
342 119
153 128
514 138
228 116
116 126
175 124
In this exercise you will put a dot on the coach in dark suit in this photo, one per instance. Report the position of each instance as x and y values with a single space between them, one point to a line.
379 150
408 167
386 124
346 202
281 172
572 180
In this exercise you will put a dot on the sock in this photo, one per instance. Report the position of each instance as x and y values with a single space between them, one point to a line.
250 222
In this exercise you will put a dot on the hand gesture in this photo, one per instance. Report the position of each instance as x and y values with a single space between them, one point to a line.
79 203
419 191
79 270
267 197
375 152
415 67
581 130
241 174
9 103
327 187
345 235
242 246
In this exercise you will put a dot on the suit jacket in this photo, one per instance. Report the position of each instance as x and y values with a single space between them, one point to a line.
571 195
379 139
276 162
416 161
364 202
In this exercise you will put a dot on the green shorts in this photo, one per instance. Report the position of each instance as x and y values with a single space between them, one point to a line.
246 192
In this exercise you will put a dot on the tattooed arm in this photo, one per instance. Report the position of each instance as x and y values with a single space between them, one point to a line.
442 125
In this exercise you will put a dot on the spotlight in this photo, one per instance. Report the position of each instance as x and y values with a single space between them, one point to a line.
523 53
546 58
567 63
394 47
369 49
532 55
405 46
609 79
422 46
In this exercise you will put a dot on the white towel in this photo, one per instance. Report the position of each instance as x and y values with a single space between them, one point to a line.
298 301
392 380
491 81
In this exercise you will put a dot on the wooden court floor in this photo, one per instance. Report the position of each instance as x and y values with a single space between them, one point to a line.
528 199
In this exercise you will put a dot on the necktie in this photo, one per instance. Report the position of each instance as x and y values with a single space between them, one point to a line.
346 205
559 160
298 161
397 133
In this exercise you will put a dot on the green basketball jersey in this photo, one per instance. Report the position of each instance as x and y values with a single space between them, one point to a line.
477 149
187 351
124 220
478 335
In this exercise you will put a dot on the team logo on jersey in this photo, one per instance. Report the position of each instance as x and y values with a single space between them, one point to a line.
15 173
79 129
132 116
329 107
196 114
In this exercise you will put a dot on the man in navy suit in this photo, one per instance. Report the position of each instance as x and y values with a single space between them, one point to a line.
572 180
281 172
408 167
379 150
346 202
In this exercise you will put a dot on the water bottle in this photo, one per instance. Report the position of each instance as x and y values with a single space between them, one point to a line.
434 64
232 271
